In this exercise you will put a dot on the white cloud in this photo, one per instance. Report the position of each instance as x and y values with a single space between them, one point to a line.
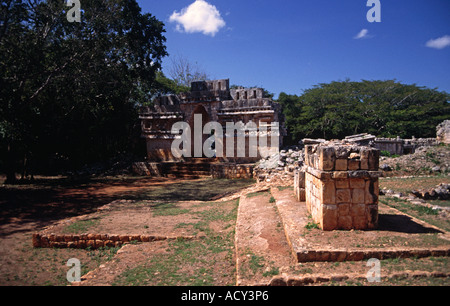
439 43
362 34
200 17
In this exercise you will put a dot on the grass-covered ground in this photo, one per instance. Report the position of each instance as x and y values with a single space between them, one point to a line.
209 260
28 208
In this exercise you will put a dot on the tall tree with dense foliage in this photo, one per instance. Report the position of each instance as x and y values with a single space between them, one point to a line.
382 108
70 90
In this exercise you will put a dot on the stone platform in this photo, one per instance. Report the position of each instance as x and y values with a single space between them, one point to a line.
336 246
195 168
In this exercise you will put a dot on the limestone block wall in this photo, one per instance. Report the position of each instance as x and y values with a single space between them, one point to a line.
341 186
232 171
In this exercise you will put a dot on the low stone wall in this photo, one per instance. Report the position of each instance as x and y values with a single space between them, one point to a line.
400 146
341 186
232 171
392 145
92 241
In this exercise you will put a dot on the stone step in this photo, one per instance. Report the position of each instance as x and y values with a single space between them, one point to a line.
294 216
186 176
195 168
189 171
188 167
200 160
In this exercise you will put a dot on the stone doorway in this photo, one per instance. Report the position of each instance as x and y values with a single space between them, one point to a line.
197 148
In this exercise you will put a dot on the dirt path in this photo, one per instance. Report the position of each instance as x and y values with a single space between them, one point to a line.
261 247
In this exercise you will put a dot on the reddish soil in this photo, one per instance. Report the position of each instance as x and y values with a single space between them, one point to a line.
30 208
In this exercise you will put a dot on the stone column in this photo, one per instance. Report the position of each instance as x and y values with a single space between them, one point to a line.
299 185
341 183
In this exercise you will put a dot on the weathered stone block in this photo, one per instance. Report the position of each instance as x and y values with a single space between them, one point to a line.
301 179
329 217
341 164
36 240
353 164
357 196
364 165
359 223
124 238
343 209
374 160
90 244
357 210
301 195
339 175
326 158
328 192
345 222
342 184
343 196
136 238
81 244
357 183
109 243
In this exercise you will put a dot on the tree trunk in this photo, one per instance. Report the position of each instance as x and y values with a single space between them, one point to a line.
10 167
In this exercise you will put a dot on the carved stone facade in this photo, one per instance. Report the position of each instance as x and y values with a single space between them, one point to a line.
215 102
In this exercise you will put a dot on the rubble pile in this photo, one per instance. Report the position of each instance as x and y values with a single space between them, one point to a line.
280 167
440 192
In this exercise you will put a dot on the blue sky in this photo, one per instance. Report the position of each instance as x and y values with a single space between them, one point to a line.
292 45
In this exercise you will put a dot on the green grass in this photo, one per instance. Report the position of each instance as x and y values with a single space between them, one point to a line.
311 225
192 262
426 240
423 213
81 226
407 184
256 263
257 193
169 209
272 272
388 154
281 188
201 190
442 203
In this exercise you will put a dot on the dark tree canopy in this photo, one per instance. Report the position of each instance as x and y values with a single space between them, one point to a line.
70 91
382 108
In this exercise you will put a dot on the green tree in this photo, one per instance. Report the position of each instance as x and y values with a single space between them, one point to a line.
383 108
72 89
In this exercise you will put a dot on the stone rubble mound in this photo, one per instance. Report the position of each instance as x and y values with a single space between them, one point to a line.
440 192
280 167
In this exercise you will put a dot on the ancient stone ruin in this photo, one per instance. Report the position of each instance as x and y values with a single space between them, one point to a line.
214 101
443 132
341 185
395 146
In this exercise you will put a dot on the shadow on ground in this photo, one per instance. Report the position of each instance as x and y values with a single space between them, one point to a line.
48 200
403 224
